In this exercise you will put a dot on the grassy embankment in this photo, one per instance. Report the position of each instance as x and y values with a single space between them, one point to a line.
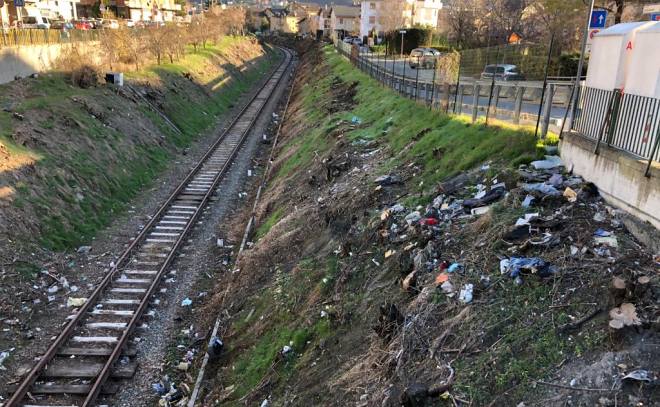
92 150
440 145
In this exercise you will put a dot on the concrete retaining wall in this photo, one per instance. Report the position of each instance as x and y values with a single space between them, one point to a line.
26 60
619 176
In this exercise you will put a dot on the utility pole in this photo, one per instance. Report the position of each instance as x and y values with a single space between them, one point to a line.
578 76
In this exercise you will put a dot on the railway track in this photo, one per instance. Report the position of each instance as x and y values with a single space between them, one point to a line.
93 353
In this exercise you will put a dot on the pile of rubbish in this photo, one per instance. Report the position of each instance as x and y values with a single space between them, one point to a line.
542 191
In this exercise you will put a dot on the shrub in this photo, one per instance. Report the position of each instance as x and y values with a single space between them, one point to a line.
85 76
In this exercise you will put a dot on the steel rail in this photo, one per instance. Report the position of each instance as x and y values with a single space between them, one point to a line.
65 335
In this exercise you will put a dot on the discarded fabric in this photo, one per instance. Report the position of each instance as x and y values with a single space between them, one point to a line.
551 161
528 201
602 233
75 302
186 302
515 265
541 187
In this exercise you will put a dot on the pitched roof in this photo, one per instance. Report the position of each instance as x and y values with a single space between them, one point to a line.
346 11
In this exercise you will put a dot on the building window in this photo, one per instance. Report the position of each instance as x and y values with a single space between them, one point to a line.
341 21
372 6
372 20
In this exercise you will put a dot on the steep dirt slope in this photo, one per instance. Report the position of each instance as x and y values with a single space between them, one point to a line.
371 282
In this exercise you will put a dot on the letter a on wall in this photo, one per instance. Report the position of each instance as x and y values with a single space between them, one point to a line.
629 46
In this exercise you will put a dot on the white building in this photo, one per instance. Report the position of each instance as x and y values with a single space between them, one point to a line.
379 15
344 20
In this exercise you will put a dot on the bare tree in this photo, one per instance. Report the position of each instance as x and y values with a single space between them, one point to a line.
463 17
394 14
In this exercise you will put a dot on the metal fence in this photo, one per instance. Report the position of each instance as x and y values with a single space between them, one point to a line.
627 122
624 121
23 37
533 102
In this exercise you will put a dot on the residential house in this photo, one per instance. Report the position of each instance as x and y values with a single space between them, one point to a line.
54 10
378 16
344 20
280 20
323 22
307 16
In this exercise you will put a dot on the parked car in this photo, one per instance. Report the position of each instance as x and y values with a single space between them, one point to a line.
35 22
82 25
129 23
352 40
502 72
423 57
110 24
61 25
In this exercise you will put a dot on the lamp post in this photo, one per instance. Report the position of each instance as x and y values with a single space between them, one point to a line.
402 32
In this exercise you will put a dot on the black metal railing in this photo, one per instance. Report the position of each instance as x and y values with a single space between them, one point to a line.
624 121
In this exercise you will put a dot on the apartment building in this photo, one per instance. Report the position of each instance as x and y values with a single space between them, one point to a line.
378 16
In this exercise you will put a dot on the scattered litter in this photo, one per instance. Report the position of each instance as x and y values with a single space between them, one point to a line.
610 241
556 180
183 366
465 295
389 253
602 233
286 349
84 249
550 162
441 278
265 403
454 268
541 187
384 180
53 289
220 243
186 302
3 356
526 219
639 375
447 287
570 195
516 265
75 302
398 208
482 210
599 217
356 120
624 315
215 347
528 201
413 217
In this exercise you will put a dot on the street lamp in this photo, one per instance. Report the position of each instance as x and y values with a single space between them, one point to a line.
402 32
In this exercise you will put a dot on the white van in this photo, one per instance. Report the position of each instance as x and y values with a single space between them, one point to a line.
37 21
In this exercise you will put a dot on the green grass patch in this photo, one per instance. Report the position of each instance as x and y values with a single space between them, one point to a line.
269 223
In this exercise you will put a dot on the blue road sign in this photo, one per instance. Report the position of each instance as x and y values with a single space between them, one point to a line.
19 3
598 19
655 17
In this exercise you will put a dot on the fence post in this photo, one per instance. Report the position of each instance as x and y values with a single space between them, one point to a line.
433 83
496 99
547 109
655 149
475 101
403 87
458 104
445 96
417 79
520 91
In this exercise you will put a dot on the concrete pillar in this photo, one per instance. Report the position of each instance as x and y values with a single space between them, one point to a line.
547 106
475 101
518 104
